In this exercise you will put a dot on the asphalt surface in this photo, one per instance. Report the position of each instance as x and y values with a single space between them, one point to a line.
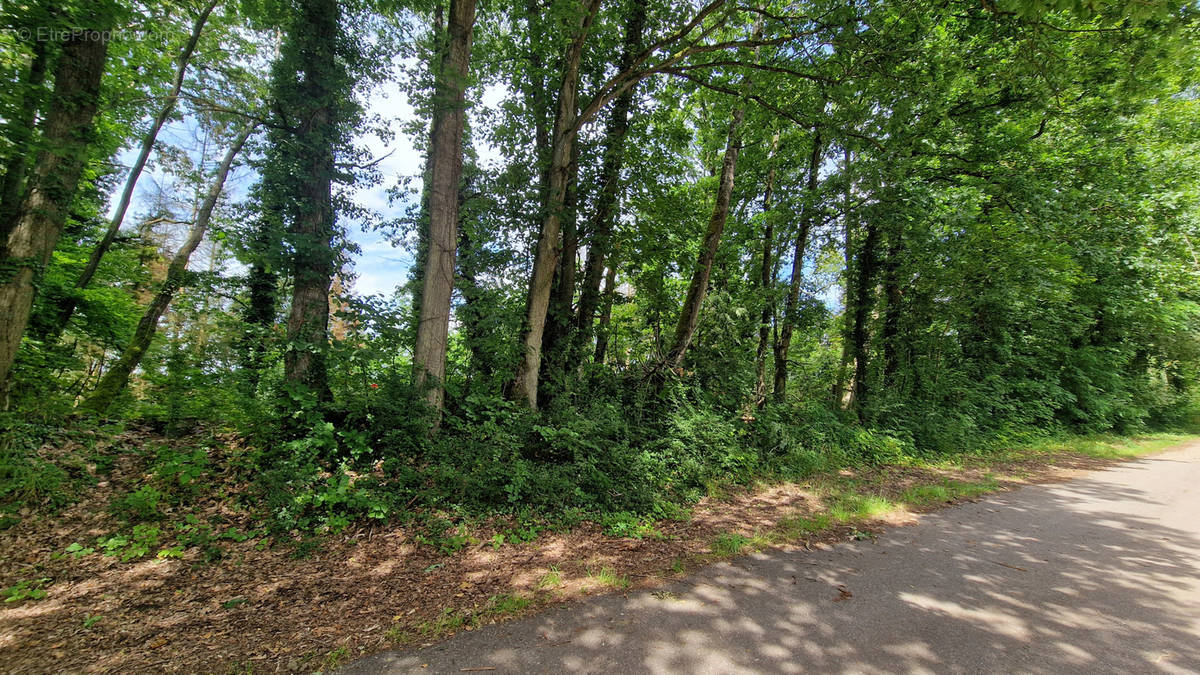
1097 575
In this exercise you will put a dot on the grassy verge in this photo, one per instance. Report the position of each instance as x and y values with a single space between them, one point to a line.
862 498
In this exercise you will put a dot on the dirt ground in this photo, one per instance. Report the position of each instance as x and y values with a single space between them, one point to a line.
262 610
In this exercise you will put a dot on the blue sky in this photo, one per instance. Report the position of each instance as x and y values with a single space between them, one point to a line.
380 267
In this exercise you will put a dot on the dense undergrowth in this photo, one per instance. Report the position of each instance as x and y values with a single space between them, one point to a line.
623 461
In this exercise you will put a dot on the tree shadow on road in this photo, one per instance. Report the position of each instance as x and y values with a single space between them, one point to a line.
1050 579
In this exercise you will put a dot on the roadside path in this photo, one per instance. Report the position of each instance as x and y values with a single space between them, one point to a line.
1097 575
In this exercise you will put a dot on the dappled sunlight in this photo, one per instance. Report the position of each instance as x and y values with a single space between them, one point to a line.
882 604
1050 579
992 619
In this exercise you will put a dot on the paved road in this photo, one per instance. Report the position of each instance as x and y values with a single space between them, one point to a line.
1098 575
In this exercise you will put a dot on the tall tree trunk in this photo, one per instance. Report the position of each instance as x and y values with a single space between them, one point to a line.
689 317
539 103
859 336
842 397
421 258
68 134
445 173
600 242
603 326
894 296
783 343
67 308
117 377
560 318
765 281
311 229
524 385
21 133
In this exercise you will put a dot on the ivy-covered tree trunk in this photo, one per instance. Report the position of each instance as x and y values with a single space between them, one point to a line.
893 294
560 319
864 281
604 216
524 386
689 316
115 380
842 395
21 133
445 176
311 84
67 308
473 313
783 343
604 323
766 282
67 135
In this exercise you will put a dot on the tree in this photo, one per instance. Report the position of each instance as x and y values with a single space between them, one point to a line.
604 211
445 175
311 93
139 164
689 316
19 129
808 222
56 174
117 377
524 386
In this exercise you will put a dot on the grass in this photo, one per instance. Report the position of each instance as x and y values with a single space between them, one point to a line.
848 501
947 491
505 605
1115 447
799 527
605 576
336 658
451 620
1099 446
849 507
550 580
729 544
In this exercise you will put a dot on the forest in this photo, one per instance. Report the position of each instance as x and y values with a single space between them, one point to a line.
686 242
649 250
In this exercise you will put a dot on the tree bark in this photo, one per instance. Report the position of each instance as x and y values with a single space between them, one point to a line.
784 342
421 258
600 242
117 377
842 397
894 297
311 229
114 226
21 132
859 336
689 317
560 320
602 328
68 134
445 173
524 386
765 282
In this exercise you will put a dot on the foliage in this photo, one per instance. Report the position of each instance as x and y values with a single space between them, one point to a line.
979 231
26 589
